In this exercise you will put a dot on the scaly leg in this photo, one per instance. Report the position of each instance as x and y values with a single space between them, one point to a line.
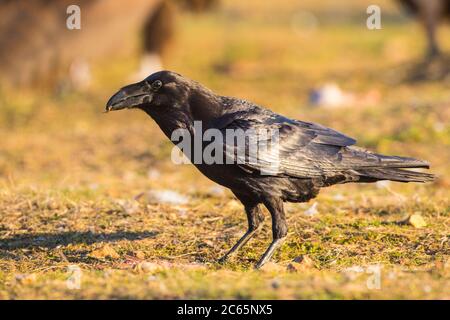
279 229
254 217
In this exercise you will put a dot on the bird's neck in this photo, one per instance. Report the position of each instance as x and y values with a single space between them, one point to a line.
171 121
201 106
204 106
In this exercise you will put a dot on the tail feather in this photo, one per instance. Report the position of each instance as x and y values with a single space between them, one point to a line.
372 167
395 174
401 162
382 161
359 158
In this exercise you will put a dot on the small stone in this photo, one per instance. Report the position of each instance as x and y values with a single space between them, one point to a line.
149 267
417 221
271 267
129 206
139 255
104 252
300 263
275 284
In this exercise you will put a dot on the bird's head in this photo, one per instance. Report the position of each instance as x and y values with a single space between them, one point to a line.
170 99
163 88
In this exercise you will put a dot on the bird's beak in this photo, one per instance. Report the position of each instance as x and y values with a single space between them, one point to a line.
132 96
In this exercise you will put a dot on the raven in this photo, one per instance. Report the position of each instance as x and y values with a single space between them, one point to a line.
310 156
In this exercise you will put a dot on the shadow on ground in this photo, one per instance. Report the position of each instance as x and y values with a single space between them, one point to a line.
52 240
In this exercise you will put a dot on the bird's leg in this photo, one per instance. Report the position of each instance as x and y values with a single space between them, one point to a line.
254 217
279 229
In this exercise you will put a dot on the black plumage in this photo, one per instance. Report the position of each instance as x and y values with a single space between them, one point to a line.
310 156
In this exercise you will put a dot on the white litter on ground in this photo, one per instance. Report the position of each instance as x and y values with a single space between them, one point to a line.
383 184
217 191
166 196
330 95
338 197
153 174
129 206
312 211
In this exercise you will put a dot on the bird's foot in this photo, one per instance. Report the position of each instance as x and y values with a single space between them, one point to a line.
242 241
223 259
269 252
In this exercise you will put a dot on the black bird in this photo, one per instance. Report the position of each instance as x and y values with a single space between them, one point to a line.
310 156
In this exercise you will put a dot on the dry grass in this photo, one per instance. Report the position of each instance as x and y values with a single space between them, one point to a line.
69 174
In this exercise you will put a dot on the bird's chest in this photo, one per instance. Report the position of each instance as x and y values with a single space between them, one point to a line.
229 176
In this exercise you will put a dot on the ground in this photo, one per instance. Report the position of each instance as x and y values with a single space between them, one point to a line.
76 220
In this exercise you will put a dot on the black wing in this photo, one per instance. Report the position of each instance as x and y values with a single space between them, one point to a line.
301 149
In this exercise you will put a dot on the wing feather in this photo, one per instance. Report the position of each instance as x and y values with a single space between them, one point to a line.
302 149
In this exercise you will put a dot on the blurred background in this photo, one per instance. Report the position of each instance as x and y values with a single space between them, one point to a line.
310 60
78 186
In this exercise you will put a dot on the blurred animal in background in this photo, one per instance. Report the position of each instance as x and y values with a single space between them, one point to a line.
430 13
157 34
36 48
198 5
159 30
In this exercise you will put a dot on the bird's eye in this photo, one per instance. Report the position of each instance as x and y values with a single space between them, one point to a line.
157 84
